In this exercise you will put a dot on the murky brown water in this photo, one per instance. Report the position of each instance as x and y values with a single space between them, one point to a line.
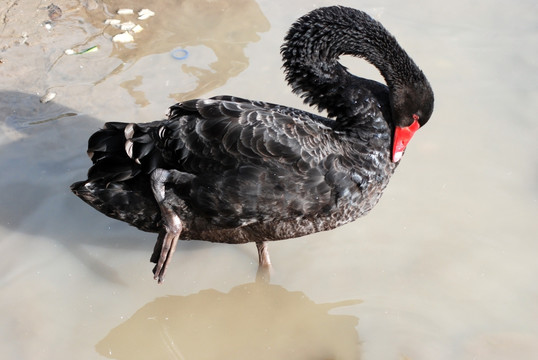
444 268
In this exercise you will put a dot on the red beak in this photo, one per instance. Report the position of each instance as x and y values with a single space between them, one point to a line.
402 135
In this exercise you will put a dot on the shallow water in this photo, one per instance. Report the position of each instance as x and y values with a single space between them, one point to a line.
444 267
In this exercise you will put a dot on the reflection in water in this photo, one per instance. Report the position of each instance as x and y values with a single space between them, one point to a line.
252 321
219 28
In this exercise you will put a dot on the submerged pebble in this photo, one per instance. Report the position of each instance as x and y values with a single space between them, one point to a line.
49 95
115 22
127 26
54 12
125 12
137 29
144 14
124 37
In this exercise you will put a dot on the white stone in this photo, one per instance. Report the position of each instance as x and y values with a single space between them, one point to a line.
144 14
125 12
124 37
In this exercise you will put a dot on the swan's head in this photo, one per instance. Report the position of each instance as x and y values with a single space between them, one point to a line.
411 109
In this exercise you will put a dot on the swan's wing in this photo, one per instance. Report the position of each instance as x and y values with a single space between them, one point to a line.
252 161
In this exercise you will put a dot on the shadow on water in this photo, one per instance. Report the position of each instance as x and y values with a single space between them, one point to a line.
258 321
43 151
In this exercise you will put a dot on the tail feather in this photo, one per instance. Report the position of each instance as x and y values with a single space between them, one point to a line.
120 152
105 141
113 168
130 201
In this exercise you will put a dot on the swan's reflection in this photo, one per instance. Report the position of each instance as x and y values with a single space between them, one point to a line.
252 321
215 32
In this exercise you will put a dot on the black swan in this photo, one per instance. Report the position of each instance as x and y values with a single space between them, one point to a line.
232 170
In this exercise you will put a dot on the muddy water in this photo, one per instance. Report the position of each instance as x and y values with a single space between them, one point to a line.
444 268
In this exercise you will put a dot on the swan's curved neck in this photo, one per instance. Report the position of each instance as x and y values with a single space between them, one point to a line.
315 42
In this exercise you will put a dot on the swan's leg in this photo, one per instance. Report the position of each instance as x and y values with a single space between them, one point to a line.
264 263
168 238
263 254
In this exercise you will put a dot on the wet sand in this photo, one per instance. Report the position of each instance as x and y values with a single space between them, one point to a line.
443 268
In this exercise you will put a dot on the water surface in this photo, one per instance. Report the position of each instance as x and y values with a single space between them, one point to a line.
444 267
